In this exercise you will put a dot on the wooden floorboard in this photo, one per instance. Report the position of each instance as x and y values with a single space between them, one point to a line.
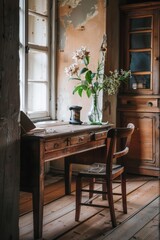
129 229
100 223
59 223
150 231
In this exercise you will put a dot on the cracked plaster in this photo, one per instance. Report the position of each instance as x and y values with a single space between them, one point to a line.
84 12
79 8
72 3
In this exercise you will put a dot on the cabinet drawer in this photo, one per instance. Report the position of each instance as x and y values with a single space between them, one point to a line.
146 102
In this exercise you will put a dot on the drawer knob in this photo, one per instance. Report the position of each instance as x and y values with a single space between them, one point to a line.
56 145
150 104
81 139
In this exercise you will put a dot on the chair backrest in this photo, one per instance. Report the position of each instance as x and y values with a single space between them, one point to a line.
118 135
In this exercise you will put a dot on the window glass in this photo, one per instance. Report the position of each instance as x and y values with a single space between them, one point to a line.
37 31
140 61
39 6
140 81
37 66
37 100
140 40
140 23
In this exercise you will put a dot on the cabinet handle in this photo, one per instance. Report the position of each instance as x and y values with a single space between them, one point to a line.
156 58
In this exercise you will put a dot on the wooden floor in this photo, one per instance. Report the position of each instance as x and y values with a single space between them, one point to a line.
141 222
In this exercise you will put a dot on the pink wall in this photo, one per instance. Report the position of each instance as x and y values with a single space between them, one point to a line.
81 23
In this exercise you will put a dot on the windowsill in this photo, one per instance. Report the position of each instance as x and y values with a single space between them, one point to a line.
45 122
45 119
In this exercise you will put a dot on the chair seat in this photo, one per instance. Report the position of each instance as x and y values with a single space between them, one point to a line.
100 169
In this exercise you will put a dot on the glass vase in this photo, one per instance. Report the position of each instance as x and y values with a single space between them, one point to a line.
95 114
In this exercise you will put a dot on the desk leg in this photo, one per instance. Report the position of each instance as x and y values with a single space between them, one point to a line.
37 214
38 189
68 176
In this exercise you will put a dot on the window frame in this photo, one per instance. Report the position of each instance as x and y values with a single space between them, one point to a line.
25 45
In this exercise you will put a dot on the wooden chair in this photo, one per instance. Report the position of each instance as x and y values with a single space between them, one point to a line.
106 172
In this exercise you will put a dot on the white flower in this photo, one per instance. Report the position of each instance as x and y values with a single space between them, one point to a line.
122 72
72 70
116 73
80 54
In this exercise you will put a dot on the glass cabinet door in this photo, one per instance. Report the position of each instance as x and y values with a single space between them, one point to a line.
140 52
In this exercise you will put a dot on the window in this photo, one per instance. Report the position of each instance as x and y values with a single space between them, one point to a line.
36 37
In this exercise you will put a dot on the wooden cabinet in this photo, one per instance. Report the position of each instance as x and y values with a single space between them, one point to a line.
139 100
144 154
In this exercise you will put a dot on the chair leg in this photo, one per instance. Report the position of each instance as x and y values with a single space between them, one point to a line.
123 185
68 176
111 203
91 186
78 197
104 189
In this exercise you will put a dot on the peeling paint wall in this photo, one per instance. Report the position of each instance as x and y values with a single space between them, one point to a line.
80 23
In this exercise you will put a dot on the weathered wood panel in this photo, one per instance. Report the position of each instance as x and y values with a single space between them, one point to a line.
9 113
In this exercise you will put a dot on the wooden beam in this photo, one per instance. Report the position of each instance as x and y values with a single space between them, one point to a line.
9 115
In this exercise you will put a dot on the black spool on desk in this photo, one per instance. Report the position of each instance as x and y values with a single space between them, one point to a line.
75 115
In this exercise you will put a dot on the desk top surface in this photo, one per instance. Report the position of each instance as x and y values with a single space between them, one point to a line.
58 129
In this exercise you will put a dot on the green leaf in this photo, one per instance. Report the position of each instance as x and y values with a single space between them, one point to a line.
88 92
83 70
74 78
88 77
96 84
76 89
84 87
93 75
86 60
80 90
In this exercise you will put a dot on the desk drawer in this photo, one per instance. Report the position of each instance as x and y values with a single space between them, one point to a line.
100 135
66 142
80 139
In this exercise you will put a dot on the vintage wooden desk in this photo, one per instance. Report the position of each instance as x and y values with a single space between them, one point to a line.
57 141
